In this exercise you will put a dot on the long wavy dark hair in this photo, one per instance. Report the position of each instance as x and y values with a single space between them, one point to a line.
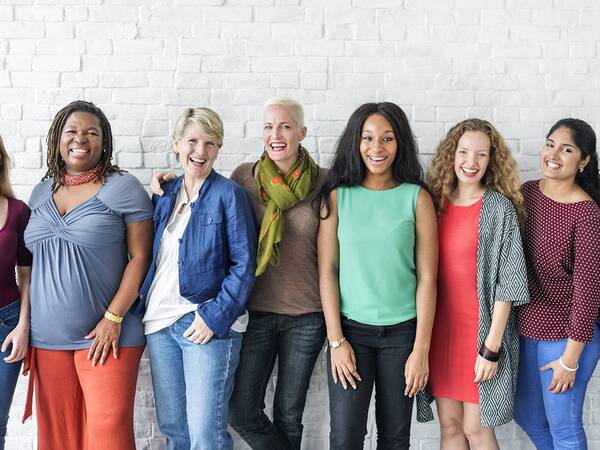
55 163
585 138
348 168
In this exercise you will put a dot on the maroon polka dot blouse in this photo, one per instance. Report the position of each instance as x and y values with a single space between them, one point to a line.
562 250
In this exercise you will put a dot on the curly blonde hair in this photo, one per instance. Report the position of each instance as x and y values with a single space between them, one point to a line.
502 174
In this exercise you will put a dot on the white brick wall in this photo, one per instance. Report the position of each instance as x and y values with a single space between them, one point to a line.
521 63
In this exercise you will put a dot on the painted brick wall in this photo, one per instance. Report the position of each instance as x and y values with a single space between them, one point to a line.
519 63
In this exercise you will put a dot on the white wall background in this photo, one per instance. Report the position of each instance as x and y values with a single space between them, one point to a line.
522 64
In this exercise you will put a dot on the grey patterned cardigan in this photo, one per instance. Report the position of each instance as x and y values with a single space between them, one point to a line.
501 276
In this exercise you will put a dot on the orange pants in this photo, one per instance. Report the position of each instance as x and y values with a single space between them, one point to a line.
81 407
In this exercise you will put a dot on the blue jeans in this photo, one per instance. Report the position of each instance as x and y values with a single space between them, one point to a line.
192 386
552 421
9 372
295 341
381 353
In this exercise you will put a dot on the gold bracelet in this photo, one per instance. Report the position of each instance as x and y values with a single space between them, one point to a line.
113 317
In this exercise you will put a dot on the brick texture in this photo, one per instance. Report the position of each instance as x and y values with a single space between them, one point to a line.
521 64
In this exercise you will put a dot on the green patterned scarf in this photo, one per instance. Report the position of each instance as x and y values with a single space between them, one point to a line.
280 192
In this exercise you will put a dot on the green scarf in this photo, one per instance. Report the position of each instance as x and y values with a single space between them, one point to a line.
280 192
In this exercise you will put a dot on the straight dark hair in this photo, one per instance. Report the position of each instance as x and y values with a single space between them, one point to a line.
55 163
585 138
348 168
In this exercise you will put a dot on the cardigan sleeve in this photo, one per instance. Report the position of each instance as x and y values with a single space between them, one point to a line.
511 284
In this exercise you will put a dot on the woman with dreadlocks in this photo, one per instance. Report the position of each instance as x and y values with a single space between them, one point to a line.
90 234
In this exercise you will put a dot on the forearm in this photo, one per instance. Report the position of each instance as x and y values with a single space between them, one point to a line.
425 303
330 300
23 278
130 283
500 315
572 353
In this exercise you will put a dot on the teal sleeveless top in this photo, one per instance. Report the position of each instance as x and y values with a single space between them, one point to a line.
376 235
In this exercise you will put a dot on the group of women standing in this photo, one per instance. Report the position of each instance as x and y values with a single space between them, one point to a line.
259 269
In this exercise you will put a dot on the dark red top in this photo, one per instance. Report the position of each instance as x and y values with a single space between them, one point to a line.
13 251
562 251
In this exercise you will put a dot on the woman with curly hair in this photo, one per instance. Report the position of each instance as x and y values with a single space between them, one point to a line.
560 329
474 182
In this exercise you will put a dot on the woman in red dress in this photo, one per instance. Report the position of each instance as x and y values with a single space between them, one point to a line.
474 349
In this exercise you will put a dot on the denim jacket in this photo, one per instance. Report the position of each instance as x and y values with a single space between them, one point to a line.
217 252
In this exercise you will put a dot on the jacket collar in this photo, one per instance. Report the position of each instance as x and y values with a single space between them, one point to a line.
172 188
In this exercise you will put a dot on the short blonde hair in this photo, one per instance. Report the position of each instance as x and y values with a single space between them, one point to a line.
5 188
204 118
292 103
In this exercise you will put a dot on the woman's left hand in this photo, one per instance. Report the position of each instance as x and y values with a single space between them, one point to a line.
562 380
198 332
416 372
106 338
484 369
19 338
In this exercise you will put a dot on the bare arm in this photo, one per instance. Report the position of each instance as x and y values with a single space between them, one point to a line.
343 362
426 254
106 333
484 369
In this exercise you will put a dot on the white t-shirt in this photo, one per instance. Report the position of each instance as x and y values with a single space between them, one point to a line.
165 304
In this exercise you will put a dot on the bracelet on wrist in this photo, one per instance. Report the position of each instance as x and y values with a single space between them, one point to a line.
113 317
489 355
567 368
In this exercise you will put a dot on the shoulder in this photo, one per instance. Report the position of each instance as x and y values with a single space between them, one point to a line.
226 187
529 186
242 173
122 180
18 205
497 200
588 213
41 192
321 177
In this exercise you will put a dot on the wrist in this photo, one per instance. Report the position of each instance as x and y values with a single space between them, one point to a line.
112 317
570 363
493 344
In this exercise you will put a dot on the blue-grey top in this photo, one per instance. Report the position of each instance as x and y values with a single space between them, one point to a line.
78 262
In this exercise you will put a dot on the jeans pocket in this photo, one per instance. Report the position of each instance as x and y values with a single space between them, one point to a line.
9 316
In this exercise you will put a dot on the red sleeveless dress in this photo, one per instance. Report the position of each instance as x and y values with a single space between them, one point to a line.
454 339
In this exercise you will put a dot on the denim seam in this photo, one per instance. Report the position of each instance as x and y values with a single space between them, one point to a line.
220 407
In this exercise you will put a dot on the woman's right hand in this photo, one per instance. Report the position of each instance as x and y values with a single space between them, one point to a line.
343 365
159 178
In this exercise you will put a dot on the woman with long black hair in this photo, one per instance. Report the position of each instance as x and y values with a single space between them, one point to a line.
377 247
559 328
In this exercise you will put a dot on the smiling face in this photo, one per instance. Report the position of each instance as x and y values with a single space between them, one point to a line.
81 142
472 157
378 145
196 152
561 158
282 135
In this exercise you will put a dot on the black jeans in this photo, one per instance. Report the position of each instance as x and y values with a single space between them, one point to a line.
295 341
381 353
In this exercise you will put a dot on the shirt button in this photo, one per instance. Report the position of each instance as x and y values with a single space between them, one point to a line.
180 240
210 220
180 262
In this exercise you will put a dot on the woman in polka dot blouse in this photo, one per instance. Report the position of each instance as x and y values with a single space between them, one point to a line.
560 336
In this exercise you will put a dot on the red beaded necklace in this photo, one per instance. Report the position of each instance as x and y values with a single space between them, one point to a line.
82 178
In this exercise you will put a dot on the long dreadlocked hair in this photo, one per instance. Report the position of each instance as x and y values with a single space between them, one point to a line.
55 162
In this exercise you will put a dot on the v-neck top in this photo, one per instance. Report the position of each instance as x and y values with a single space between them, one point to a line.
78 262
13 249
